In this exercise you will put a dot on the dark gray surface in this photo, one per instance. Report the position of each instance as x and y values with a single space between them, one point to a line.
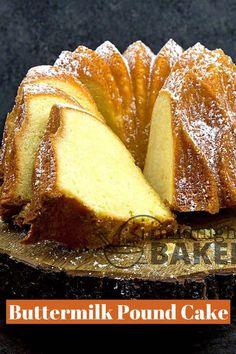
35 32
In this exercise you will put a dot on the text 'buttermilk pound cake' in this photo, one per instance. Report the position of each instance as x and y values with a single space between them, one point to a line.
191 159
86 184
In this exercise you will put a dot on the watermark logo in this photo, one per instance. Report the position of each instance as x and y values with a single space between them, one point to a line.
191 246
130 239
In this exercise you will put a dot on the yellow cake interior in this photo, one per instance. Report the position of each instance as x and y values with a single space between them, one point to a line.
159 164
96 168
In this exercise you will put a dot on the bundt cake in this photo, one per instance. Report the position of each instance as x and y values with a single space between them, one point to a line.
85 187
22 143
97 105
191 158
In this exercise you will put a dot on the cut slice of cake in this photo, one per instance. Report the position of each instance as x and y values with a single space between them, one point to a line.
191 155
86 185
29 124
54 77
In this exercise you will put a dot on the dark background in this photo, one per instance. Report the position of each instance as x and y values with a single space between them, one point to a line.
35 32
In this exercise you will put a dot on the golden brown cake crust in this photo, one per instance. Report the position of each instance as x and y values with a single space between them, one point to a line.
64 220
161 67
139 58
125 86
96 75
10 204
121 73
54 216
202 88
8 129
195 187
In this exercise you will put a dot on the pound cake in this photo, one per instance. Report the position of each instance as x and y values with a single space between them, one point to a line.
29 125
191 159
82 130
85 188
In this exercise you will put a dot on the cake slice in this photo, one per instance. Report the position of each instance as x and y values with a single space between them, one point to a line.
191 155
86 187
53 77
29 125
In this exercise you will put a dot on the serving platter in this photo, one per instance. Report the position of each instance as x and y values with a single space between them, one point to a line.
50 270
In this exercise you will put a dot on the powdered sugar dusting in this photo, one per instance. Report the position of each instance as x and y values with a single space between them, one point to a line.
67 61
106 49
172 51
46 71
202 86
39 88
140 50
